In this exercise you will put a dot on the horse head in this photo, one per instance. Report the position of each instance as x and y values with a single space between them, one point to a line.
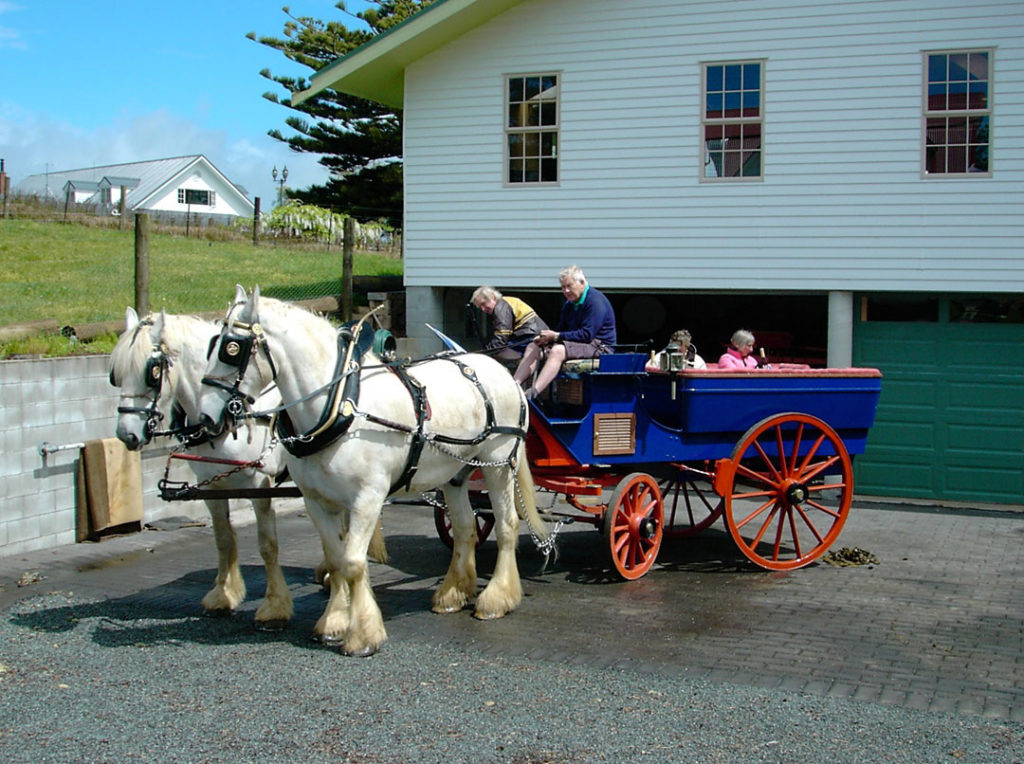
235 374
140 367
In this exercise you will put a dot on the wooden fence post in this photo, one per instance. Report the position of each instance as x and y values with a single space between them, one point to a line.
346 268
141 263
121 209
256 222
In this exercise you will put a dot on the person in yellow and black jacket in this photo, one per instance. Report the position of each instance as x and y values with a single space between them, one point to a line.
515 323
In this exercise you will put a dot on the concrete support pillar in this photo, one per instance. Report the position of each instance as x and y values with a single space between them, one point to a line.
423 305
840 329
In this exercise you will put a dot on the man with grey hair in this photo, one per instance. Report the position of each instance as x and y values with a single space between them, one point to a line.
586 329
515 323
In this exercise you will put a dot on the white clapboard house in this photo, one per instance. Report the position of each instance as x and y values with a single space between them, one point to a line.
843 177
168 189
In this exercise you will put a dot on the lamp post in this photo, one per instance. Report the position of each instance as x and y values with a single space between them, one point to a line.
284 177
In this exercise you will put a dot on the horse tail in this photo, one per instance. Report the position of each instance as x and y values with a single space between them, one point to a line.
525 495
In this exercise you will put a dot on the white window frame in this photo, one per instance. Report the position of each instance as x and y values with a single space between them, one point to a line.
554 130
211 196
947 113
741 120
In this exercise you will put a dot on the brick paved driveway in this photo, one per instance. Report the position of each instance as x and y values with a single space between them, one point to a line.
938 624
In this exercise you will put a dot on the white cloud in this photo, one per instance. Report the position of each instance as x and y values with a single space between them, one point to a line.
10 38
31 143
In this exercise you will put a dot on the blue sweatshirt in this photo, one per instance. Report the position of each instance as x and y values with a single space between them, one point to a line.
588 319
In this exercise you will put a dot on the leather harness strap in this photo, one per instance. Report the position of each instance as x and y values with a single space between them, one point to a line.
334 421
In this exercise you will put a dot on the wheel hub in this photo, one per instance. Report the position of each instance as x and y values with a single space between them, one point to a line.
647 528
797 493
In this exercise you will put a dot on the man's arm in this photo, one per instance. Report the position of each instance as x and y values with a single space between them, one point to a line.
504 320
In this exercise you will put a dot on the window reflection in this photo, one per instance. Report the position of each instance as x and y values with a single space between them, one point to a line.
732 120
957 116
532 129
1005 309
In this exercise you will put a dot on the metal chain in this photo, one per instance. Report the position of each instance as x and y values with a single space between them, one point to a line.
471 462
547 546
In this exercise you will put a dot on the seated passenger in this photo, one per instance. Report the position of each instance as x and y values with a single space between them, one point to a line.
515 322
586 329
680 343
738 355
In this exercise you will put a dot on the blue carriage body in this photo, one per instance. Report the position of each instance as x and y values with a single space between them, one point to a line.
618 414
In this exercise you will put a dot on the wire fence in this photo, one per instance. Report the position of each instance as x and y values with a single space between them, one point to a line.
290 225
289 257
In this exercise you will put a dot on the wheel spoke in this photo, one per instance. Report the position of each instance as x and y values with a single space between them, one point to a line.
818 468
780 449
795 536
768 462
765 525
812 451
796 448
810 524
826 487
822 508
757 477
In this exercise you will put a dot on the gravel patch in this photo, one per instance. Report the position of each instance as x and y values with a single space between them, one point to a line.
86 680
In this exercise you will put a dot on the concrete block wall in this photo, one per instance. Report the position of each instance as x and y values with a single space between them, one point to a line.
62 401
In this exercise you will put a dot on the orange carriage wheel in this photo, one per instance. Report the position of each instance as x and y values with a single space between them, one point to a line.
633 524
787 490
690 506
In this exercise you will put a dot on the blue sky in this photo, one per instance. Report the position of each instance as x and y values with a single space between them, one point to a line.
86 83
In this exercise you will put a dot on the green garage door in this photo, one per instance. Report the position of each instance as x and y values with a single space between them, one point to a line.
950 423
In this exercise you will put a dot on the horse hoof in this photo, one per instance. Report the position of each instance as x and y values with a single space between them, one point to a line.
221 612
273 624
487 616
446 609
366 652
330 640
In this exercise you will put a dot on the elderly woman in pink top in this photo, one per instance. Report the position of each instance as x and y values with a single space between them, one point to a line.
738 356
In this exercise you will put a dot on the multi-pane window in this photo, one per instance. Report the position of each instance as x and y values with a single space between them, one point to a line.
732 120
957 112
531 129
197 196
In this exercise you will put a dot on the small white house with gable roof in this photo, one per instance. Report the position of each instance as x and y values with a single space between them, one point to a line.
165 188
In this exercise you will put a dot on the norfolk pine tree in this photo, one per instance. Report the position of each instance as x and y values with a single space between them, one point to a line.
360 141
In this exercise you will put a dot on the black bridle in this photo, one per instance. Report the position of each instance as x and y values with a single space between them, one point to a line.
237 349
157 366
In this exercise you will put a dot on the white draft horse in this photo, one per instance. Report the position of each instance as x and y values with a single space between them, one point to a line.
353 442
158 364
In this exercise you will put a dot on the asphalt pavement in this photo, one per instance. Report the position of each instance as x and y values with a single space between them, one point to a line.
104 654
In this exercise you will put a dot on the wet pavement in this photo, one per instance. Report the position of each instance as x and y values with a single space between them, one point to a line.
936 625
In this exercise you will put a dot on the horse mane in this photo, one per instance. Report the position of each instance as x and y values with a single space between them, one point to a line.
289 312
134 347
128 358
290 307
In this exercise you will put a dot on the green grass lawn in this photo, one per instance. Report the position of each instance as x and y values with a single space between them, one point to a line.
77 274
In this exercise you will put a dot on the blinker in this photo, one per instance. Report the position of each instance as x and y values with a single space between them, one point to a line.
235 350
154 372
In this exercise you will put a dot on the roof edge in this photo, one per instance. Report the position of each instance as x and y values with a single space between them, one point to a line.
376 69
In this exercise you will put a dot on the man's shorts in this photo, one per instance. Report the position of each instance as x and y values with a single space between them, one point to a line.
575 350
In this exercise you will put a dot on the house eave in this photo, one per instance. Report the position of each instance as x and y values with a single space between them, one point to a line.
376 70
